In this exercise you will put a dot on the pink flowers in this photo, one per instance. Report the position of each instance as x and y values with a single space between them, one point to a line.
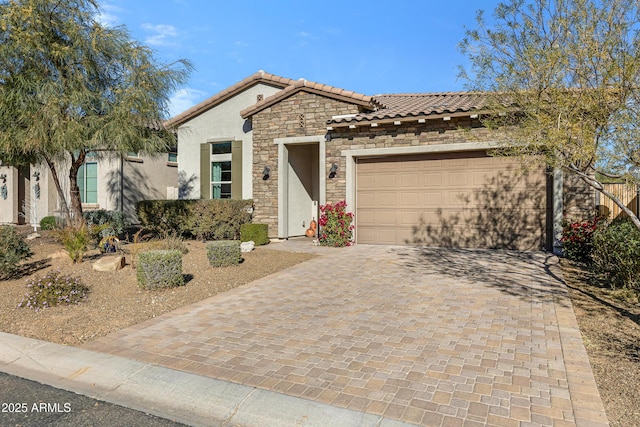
336 225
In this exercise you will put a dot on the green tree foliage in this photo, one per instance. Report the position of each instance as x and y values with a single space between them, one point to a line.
70 85
562 82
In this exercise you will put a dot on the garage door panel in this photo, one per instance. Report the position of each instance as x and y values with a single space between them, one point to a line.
366 182
431 179
432 198
367 217
386 217
410 199
464 200
387 180
458 179
388 199
367 199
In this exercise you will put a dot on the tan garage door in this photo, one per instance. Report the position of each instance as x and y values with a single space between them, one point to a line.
467 200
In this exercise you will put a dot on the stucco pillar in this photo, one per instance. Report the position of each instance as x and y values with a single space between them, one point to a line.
558 210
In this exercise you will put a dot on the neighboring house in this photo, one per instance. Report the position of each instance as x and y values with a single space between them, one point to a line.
413 168
107 181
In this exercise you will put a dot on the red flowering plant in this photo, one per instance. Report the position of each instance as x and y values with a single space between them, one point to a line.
336 225
577 239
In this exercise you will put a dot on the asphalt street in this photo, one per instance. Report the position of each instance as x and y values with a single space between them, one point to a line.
30 404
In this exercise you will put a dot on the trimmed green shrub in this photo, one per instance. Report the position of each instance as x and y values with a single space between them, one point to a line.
48 223
74 240
577 239
616 254
203 219
258 233
13 249
159 269
223 253
53 289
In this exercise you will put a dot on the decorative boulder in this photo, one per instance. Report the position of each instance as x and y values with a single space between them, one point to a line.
109 263
247 246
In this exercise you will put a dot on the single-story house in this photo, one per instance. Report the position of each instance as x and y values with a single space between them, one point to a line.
106 181
413 168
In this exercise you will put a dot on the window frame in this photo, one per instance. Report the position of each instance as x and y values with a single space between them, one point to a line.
217 157
82 186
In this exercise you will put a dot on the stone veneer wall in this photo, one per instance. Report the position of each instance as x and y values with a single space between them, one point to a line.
283 120
579 198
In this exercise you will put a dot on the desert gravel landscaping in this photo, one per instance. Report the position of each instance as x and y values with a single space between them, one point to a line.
115 300
609 321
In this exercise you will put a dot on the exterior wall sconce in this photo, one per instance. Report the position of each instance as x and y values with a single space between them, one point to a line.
266 173
333 171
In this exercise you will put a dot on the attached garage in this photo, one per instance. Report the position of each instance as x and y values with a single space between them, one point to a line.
465 199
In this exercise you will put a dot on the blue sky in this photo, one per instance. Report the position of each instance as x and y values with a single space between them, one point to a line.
369 47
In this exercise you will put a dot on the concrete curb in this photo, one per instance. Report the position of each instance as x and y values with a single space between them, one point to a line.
168 393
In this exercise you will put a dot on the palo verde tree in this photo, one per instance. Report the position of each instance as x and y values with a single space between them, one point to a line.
70 85
562 80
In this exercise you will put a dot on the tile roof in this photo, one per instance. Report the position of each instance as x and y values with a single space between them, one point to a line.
410 105
307 86
254 79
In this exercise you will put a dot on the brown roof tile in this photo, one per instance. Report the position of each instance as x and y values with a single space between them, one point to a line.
306 86
400 106
259 77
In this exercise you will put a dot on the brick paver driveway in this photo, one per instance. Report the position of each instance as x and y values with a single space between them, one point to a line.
426 336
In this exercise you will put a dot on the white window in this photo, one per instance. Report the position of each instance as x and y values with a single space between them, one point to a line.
221 170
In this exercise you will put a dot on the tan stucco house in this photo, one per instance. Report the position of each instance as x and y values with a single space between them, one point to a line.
413 168
108 181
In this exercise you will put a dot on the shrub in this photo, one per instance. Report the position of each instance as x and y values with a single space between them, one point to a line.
164 216
336 225
103 223
616 254
74 240
577 239
203 219
159 269
223 253
48 223
53 289
258 233
218 219
13 249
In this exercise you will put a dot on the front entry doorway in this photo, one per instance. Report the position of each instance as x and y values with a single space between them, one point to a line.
303 187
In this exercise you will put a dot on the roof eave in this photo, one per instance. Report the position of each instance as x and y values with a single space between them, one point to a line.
404 119
266 103
255 79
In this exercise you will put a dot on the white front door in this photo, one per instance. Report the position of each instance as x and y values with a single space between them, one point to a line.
302 177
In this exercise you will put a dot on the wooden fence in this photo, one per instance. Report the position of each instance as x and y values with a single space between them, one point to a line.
622 191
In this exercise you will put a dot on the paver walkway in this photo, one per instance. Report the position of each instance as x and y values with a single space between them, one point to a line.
429 337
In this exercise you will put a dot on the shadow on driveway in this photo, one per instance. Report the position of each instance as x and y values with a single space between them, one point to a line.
531 276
